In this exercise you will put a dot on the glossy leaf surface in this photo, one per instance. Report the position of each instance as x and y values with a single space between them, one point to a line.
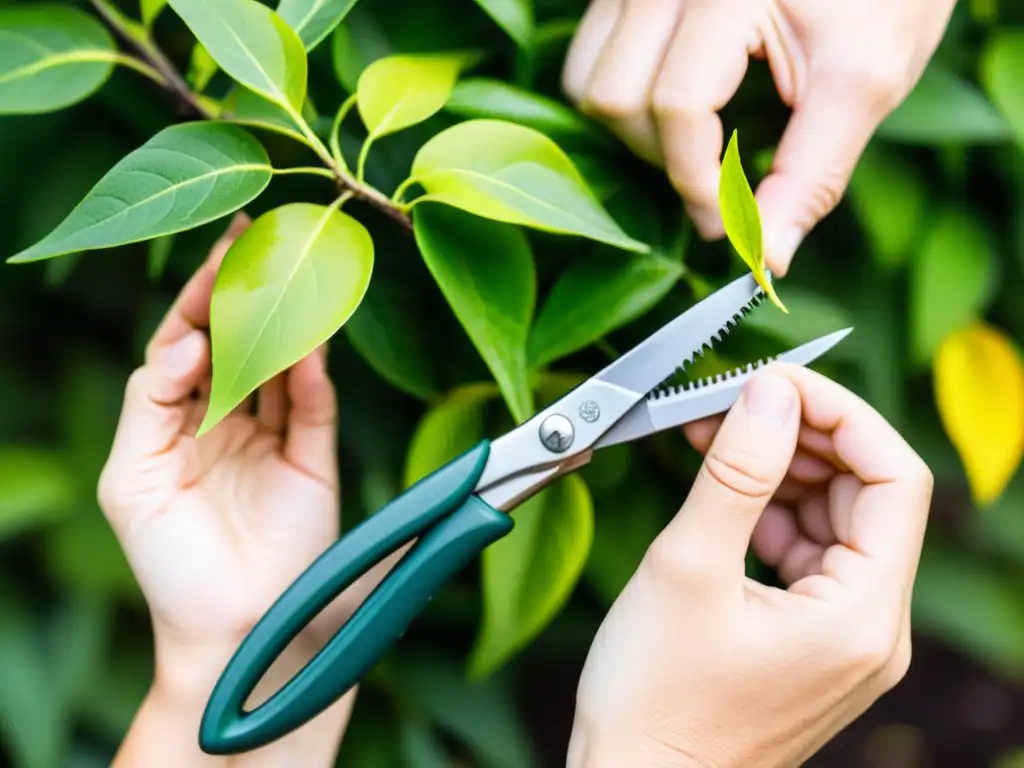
399 91
185 176
314 20
286 286
513 16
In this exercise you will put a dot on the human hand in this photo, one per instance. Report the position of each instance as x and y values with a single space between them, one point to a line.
216 529
698 665
658 72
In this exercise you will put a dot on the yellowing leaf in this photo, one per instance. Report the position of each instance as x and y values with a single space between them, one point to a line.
742 219
979 389
399 91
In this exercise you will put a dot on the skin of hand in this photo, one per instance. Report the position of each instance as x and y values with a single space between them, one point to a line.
698 665
215 529
658 71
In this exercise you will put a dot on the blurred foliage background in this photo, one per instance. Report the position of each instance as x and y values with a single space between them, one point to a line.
928 242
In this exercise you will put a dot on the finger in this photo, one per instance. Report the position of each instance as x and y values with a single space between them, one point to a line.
311 437
803 559
842 492
742 470
593 32
702 71
813 517
620 84
191 310
157 401
774 535
272 403
828 131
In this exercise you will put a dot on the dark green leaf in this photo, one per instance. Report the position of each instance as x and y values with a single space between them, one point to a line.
624 527
51 56
185 176
1001 65
354 46
487 97
80 636
314 20
36 487
159 252
952 277
942 109
514 16
82 552
285 287
529 574
252 44
485 270
514 174
420 745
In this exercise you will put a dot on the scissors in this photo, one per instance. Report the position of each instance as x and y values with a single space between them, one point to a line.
462 508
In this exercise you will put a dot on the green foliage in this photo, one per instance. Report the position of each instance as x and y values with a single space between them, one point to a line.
489 249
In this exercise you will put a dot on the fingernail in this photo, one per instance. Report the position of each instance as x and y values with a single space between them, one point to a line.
181 355
771 398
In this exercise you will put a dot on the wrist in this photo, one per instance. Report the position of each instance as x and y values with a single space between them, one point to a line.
614 747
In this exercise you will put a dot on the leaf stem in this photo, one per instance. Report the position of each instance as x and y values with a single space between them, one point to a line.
364 152
335 139
402 188
313 170
140 66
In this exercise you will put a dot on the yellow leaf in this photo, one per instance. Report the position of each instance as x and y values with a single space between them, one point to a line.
979 388
742 219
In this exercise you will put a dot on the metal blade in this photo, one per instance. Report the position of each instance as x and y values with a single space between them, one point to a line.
652 361
665 409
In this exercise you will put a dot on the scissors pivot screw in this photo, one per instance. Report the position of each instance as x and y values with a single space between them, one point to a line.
590 411
556 433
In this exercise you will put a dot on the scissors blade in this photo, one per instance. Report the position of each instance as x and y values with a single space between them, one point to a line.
664 409
656 358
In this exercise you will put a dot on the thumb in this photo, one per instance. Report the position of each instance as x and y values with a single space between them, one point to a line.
826 135
707 541
158 401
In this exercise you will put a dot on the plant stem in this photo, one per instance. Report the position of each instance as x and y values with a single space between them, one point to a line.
138 65
335 139
313 170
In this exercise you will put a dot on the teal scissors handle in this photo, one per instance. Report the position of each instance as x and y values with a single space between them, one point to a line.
453 524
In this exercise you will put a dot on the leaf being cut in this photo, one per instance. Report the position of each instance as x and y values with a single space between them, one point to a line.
979 390
742 219
286 286
1001 65
399 91
313 20
513 16
253 44
485 270
187 175
51 57
530 573
514 174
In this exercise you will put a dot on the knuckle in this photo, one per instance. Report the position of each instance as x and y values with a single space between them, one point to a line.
674 101
613 104
739 471
879 80
868 647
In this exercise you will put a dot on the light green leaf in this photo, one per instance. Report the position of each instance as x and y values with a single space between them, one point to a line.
355 45
530 573
485 270
398 91
741 217
314 20
185 176
1001 65
51 57
36 487
514 174
483 97
252 44
201 68
596 296
248 108
513 16
450 428
889 197
285 287
952 277
150 10
945 109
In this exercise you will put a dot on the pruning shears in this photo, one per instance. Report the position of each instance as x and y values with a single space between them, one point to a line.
462 508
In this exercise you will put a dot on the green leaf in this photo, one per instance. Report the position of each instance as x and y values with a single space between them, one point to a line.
314 20
514 174
185 176
248 108
741 217
483 716
82 552
485 270
483 97
421 746
150 10
529 574
1001 64
252 44
596 296
201 68
36 487
354 46
159 252
392 334
625 526
945 109
513 16
51 57
79 635
450 428
399 91
889 197
285 287
952 277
